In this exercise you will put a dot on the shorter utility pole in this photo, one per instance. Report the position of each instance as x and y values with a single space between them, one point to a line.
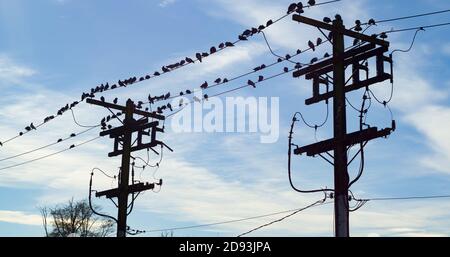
123 136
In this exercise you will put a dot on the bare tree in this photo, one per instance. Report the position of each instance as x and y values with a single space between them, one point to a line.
74 218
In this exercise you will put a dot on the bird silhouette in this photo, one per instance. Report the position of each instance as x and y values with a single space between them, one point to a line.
164 69
73 135
311 45
218 80
204 85
326 55
358 26
261 27
181 93
20 133
27 128
121 83
212 50
225 80
102 99
326 19
299 51
221 45
312 2
372 22
32 126
59 140
280 60
251 83
313 60
189 60
188 92
199 57
167 96
170 107
319 41
147 76
156 73
299 8
383 35
242 38
286 69
254 31
205 97
260 78
269 22
180 103
229 44
1 144
72 146
205 54
287 57
115 100
114 86
298 65
247 33
196 99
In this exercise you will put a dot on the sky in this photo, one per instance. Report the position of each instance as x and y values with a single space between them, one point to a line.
53 50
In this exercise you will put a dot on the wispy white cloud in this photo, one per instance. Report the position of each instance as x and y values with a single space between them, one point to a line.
166 3
11 72
19 217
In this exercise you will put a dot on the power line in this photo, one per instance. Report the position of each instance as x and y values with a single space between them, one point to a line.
49 155
417 28
409 17
133 80
290 211
320 202
48 145
407 198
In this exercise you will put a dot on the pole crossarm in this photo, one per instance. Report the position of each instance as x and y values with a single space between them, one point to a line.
350 139
346 32
123 109
114 193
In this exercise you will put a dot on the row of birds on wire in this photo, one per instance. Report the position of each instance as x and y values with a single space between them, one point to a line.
298 7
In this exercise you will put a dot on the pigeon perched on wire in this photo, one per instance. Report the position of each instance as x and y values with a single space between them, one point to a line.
327 20
311 45
204 85
260 78
218 80
189 60
229 44
292 7
212 50
251 83
115 100
269 22
319 41
312 2
199 57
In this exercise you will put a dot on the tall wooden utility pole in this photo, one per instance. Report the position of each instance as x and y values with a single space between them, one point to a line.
123 135
337 64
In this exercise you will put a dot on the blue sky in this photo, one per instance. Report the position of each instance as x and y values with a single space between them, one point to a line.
52 50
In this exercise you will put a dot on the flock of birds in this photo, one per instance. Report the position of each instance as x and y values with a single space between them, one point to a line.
294 7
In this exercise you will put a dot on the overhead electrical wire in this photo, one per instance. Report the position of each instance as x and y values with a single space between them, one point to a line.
183 63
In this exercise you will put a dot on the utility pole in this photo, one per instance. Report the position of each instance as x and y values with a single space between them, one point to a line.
341 179
341 141
123 135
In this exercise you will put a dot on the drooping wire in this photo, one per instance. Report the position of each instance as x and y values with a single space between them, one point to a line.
90 202
78 124
320 202
291 132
